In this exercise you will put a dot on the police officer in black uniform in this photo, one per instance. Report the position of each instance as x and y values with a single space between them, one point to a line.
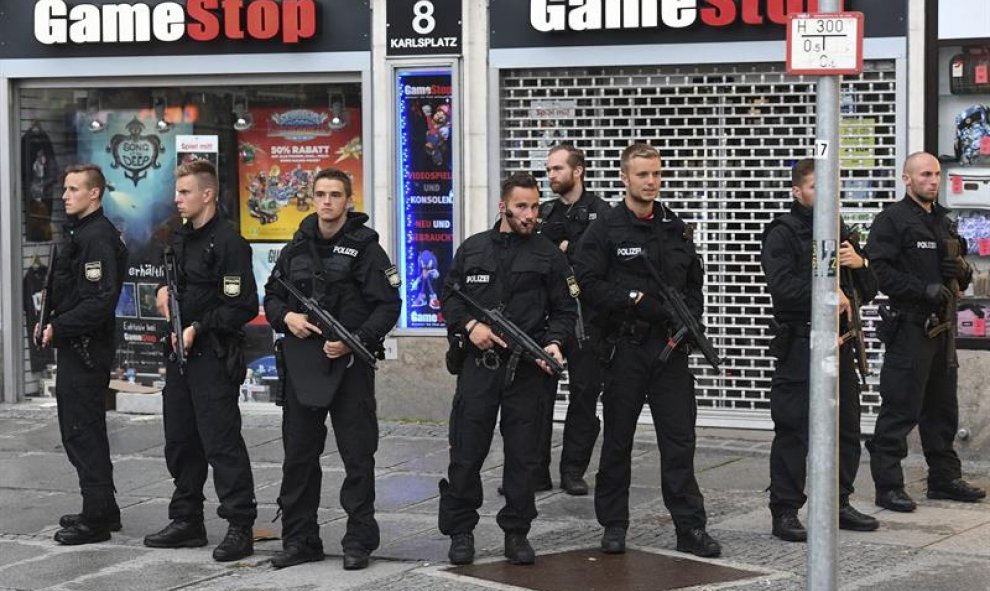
786 259
335 259
528 277
88 271
217 297
908 252
636 325
563 221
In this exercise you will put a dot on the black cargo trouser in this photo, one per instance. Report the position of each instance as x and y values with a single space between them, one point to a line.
581 426
480 394
789 410
81 396
635 375
916 388
304 432
203 430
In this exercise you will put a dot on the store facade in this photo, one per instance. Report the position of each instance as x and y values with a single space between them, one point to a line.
706 84
957 126
428 105
269 92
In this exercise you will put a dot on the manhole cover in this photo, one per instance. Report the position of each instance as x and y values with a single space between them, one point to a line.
592 570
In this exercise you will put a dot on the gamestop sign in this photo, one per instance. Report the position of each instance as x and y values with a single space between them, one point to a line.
518 24
289 21
589 15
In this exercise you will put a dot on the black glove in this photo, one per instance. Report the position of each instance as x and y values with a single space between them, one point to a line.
954 267
651 309
936 293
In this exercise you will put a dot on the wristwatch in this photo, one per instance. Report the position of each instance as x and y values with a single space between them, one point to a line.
197 327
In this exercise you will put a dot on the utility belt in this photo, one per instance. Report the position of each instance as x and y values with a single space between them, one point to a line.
784 336
460 352
639 332
228 348
891 319
632 330
491 358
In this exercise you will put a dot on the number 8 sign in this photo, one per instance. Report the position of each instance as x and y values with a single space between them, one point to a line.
423 21
422 27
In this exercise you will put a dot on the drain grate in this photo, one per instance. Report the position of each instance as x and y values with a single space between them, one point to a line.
592 570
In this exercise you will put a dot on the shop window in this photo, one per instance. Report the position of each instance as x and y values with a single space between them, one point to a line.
964 149
266 142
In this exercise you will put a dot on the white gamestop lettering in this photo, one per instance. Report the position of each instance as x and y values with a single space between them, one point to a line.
592 15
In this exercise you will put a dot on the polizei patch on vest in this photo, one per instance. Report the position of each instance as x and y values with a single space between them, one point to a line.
392 274
629 251
232 285
927 245
351 252
478 279
572 286
94 271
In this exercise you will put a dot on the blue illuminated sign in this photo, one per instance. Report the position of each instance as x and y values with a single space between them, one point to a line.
426 192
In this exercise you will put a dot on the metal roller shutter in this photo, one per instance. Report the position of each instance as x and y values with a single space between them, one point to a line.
729 135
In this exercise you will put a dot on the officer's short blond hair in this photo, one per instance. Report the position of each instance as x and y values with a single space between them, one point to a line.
638 150
204 172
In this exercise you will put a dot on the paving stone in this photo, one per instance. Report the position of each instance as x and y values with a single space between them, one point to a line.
150 576
394 451
62 567
936 548
11 552
36 511
396 491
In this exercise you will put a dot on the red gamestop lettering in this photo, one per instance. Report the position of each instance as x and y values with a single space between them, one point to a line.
295 19
56 22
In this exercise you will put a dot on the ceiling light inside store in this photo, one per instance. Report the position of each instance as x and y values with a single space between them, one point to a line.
242 116
161 105
338 115
95 125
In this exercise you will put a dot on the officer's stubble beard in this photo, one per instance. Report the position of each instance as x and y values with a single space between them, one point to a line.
516 226
639 204
564 187
912 178
925 201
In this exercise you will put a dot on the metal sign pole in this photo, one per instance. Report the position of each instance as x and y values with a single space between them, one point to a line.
824 396
826 44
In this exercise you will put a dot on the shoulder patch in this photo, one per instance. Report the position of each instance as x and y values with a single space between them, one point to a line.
392 274
572 286
94 271
232 285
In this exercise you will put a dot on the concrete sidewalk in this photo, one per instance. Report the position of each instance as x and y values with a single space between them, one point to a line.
943 546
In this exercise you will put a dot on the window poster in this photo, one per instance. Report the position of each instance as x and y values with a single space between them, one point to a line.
279 154
138 161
